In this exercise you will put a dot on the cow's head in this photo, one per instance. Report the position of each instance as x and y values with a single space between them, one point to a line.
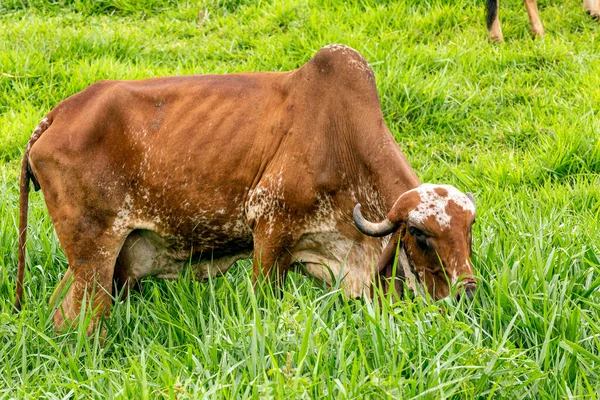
433 223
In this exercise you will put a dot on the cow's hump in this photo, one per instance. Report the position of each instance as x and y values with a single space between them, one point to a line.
341 60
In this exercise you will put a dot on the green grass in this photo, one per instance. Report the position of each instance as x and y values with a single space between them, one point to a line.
517 123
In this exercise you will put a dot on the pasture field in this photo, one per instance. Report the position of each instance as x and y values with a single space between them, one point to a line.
516 123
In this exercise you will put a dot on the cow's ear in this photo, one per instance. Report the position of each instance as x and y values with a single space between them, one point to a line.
385 268
405 203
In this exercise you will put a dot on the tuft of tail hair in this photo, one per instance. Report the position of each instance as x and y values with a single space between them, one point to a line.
492 12
26 176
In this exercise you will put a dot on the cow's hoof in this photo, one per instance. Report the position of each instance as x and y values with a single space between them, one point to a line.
538 33
595 14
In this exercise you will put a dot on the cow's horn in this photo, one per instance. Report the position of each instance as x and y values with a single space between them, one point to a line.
470 196
379 229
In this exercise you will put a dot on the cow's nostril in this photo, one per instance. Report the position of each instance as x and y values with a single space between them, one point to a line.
470 292
467 290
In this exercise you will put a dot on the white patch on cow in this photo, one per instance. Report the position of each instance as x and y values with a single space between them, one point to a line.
336 47
103 252
454 277
357 62
149 226
360 65
122 221
343 48
414 284
266 200
323 218
469 266
367 195
146 194
432 204
411 280
240 228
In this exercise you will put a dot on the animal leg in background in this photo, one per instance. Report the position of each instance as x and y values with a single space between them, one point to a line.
493 22
537 29
592 7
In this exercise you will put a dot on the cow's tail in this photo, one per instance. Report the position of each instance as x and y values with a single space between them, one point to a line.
26 176
491 12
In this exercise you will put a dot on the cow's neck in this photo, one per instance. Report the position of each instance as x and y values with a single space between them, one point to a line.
391 173
387 168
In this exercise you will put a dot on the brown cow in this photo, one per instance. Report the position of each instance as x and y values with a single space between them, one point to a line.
142 177
537 29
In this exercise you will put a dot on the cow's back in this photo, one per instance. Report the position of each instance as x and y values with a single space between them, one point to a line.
173 156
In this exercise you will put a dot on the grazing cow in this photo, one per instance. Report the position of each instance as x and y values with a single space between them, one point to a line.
143 177
537 29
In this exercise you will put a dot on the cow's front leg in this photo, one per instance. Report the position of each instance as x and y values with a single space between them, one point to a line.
89 278
592 7
537 29
272 256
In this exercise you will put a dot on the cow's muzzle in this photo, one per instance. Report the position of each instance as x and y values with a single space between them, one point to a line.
468 289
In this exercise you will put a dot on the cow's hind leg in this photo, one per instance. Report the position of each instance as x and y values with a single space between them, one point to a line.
89 279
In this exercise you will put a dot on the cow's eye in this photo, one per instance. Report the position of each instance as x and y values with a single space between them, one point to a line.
420 237
417 233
